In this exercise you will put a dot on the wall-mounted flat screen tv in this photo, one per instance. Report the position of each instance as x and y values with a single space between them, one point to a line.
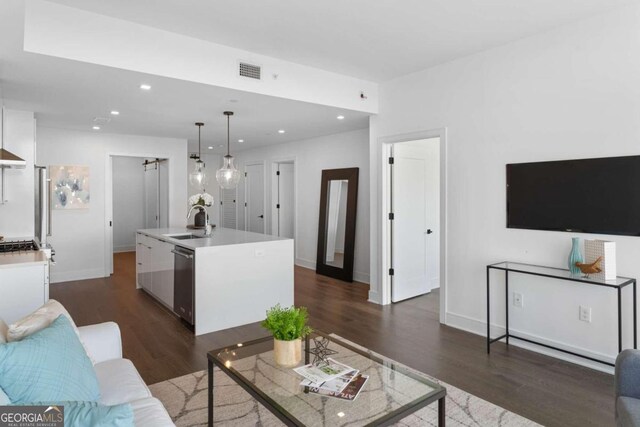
599 196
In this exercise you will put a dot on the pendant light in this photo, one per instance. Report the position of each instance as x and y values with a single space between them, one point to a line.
228 176
198 177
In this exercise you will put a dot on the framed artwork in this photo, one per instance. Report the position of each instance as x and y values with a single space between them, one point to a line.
70 187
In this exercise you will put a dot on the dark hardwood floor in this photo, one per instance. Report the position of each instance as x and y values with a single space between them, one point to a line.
544 389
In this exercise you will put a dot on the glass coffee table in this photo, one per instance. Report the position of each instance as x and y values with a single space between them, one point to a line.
391 393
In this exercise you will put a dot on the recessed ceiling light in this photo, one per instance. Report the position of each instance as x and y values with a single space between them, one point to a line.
220 145
281 131
145 87
115 113
96 128
210 147
241 141
340 117
233 101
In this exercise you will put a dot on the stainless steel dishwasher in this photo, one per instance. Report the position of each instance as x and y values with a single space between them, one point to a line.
184 277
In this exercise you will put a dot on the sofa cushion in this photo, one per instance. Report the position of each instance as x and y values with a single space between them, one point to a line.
40 319
149 412
628 411
49 365
120 382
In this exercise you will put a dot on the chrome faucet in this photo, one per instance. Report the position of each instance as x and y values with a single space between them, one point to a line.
207 226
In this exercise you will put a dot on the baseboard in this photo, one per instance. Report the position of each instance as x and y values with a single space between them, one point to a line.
118 249
358 276
478 327
67 276
374 297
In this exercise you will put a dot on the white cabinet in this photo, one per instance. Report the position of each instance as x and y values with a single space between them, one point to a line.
143 262
155 268
162 271
22 289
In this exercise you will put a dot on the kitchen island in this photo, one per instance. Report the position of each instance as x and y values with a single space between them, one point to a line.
215 282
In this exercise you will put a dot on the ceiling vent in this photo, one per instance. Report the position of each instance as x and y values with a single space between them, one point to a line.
250 71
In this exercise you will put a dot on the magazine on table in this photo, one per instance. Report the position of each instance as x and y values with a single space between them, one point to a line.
336 385
350 392
321 373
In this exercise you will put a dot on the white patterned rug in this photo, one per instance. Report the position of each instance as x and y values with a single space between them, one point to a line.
186 401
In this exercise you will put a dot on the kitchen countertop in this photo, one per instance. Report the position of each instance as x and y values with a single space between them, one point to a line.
219 237
18 259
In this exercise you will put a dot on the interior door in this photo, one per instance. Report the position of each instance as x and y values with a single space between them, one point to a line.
286 200
151 186
255 198
409 225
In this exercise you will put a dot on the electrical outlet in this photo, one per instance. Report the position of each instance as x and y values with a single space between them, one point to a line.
585 314
518 300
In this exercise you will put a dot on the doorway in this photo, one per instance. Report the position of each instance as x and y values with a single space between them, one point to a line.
283 212
137 197
414 194
254 198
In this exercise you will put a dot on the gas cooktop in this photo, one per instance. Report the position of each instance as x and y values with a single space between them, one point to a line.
18 246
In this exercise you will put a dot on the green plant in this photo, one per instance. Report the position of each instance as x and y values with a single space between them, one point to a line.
287 324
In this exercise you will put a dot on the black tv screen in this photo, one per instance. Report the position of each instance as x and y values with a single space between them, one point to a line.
599 196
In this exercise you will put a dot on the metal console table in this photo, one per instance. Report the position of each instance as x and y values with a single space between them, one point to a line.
561 274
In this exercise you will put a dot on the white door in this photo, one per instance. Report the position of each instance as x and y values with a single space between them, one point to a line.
254 197
409 225
228 207
151 186
286 201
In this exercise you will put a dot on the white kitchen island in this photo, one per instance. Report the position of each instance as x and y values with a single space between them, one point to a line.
237 275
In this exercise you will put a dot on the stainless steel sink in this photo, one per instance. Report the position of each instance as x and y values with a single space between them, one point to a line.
184 236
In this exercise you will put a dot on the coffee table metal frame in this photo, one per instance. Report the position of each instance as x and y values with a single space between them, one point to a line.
283 415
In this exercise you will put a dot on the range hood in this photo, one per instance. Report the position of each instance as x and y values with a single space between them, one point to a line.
10 160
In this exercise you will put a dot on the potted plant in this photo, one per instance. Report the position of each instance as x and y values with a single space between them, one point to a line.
288 326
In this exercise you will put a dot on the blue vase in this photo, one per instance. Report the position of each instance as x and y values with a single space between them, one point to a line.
575 256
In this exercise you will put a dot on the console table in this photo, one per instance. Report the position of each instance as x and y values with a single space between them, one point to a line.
561 274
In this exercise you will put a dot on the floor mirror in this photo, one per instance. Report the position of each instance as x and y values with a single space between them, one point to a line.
337 225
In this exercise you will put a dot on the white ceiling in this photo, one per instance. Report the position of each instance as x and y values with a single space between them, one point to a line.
69 94
369 39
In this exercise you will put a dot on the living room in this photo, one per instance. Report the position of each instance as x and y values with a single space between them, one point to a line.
485 89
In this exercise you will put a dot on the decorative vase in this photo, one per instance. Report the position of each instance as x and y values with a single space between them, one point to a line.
575 256
200 219
287 353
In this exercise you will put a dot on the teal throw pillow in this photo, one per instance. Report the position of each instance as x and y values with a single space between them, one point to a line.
48 366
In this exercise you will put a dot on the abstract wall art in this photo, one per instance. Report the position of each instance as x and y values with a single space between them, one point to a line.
70 187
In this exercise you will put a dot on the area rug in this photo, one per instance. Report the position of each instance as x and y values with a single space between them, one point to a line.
186 401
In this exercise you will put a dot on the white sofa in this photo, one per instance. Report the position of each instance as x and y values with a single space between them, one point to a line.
119 380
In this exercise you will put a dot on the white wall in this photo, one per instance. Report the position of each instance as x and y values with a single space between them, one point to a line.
79 235
128 206
344 150
569 93
17 215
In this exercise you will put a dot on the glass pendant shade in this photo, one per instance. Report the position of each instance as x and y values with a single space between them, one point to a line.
197 177
228 176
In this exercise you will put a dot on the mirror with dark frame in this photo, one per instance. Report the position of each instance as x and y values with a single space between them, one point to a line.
337 227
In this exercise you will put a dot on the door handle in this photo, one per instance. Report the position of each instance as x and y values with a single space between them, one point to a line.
188 256
260 216
429 231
